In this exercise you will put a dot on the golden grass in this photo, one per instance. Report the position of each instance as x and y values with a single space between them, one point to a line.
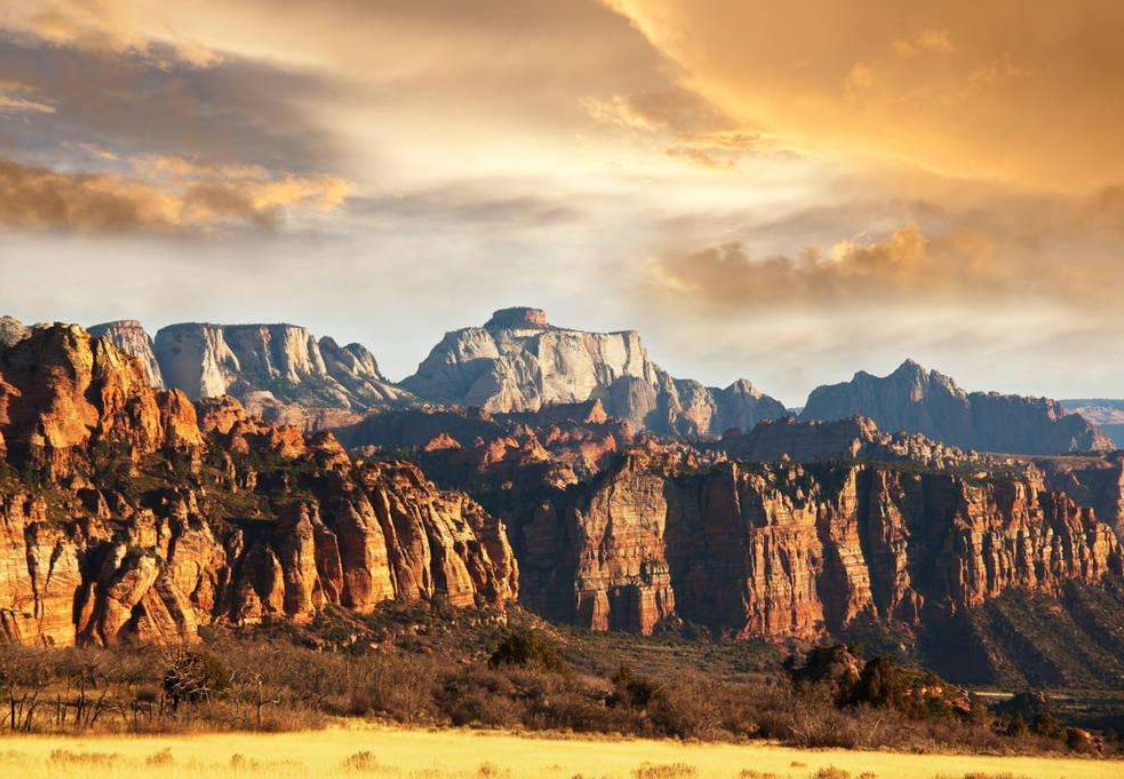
356 751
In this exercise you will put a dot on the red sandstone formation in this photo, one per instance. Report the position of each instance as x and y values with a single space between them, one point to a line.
793 550
138 517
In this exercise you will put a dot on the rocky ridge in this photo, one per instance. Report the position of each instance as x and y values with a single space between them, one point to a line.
915 400
857 438
797 550
795 529
517 362
129 513
279 371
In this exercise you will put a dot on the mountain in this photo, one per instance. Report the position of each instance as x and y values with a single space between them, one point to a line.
129 512
1105 413
281 371
130 337
913 399
132 513
519 362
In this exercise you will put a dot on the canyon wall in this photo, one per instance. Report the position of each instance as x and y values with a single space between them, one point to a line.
797 550
130 513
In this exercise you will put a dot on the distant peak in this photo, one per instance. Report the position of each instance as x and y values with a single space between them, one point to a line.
910 368
520 316
745 387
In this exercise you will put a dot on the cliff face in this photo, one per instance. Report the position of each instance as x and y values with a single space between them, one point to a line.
915 400
130 337
518 362
796 550
148 517
280 371
1096 482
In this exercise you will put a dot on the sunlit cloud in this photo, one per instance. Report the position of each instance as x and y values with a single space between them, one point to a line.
199 199
783 193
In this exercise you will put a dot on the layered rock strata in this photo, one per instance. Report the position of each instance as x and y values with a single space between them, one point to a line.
128 513
797 550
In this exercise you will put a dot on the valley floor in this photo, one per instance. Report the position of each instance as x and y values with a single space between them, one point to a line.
403 753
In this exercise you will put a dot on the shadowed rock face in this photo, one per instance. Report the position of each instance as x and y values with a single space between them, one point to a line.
845 439
518 362
792 550
148 516
915 400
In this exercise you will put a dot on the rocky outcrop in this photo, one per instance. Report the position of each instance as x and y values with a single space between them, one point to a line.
915 400
60 389
139 517
795 550
517 362
130 337
841 440
280 371
12 331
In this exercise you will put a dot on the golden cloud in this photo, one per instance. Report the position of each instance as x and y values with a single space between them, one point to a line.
682 125
1021 93
38 198
905 266
102 27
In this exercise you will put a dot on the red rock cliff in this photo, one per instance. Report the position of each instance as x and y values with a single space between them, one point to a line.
795 550
127 515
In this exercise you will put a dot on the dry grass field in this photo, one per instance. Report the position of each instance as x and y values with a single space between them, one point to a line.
402 753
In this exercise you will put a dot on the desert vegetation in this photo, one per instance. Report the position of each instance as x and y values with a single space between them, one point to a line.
439 666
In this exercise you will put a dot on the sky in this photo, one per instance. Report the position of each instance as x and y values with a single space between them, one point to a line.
785 194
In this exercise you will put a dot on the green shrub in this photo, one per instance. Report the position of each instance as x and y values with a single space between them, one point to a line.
527 647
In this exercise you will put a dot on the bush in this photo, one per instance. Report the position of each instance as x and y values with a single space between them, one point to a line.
194 675
527 647
632 690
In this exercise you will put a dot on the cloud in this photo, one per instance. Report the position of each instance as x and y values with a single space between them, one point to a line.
930 41
103 27
237 112
683 125
851 274
1006 91
18 98
37 198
